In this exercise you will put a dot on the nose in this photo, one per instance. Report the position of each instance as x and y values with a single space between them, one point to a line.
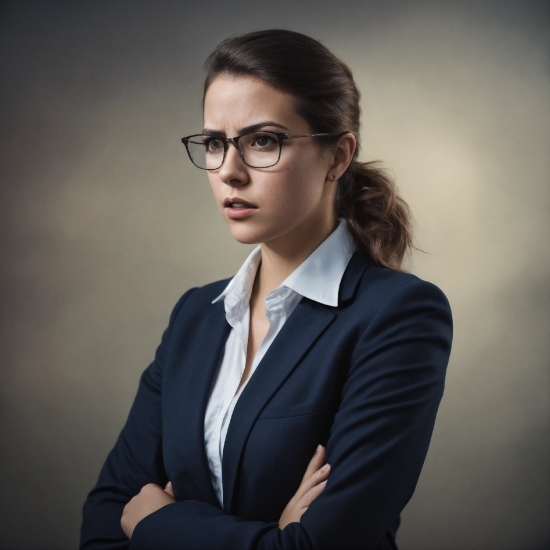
233 171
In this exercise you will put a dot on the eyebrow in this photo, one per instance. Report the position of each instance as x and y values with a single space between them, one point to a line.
246 129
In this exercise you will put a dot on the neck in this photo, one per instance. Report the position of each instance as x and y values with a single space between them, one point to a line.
282 256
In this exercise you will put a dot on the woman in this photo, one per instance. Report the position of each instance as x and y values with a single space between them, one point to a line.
292 406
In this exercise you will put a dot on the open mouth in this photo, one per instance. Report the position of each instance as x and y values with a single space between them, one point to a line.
237 203
238 208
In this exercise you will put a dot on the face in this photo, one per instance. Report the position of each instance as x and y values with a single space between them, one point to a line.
286 204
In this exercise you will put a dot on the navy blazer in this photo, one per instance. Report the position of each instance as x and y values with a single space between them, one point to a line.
364 378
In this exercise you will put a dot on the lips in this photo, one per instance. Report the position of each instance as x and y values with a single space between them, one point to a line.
239 209
237 203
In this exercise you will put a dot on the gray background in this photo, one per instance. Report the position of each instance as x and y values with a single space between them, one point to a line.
104 224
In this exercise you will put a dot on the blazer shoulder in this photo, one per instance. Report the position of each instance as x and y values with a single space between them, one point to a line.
210 291
387 299
380 285
199 299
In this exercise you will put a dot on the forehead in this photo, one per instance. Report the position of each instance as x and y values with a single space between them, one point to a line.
235 102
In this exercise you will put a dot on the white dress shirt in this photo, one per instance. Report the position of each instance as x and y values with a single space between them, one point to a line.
317 278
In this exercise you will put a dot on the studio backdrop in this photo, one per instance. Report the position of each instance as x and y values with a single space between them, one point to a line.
104 224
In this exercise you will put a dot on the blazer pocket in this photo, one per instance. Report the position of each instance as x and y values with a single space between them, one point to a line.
287 412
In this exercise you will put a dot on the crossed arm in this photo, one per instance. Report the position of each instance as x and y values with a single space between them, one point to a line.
153 497
376 449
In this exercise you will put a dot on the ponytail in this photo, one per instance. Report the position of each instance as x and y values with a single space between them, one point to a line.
378 218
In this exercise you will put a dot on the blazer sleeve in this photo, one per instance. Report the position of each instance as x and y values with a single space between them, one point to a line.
376 447
135 460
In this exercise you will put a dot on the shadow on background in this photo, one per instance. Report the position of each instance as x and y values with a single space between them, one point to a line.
105 224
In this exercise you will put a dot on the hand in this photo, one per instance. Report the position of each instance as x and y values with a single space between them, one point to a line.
150 499
312 486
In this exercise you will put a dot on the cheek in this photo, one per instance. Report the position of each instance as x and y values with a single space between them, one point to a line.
292 197
216 187
212 182
304 182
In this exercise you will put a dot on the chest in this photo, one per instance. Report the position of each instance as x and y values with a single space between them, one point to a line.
284 411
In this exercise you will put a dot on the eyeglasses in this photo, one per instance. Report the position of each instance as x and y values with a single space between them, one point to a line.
258 149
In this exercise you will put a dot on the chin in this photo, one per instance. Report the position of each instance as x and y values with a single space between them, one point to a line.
245 235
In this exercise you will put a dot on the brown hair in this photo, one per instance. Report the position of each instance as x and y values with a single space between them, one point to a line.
326 96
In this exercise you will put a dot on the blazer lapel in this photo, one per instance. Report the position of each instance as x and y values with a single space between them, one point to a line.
307 322
193 390
352 276
300 332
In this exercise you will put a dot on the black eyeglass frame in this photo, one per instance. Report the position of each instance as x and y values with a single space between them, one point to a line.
281 136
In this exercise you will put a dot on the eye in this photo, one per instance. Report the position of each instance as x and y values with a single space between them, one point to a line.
263 141
213 144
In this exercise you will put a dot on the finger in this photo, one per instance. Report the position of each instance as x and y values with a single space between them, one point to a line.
314 479
316 462
312 494
169 489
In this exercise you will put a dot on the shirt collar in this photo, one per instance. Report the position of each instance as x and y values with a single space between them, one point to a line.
240 287
317 278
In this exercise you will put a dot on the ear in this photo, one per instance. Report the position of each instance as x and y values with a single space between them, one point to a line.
343 153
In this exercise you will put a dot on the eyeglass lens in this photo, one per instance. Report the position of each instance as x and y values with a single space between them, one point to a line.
259 150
